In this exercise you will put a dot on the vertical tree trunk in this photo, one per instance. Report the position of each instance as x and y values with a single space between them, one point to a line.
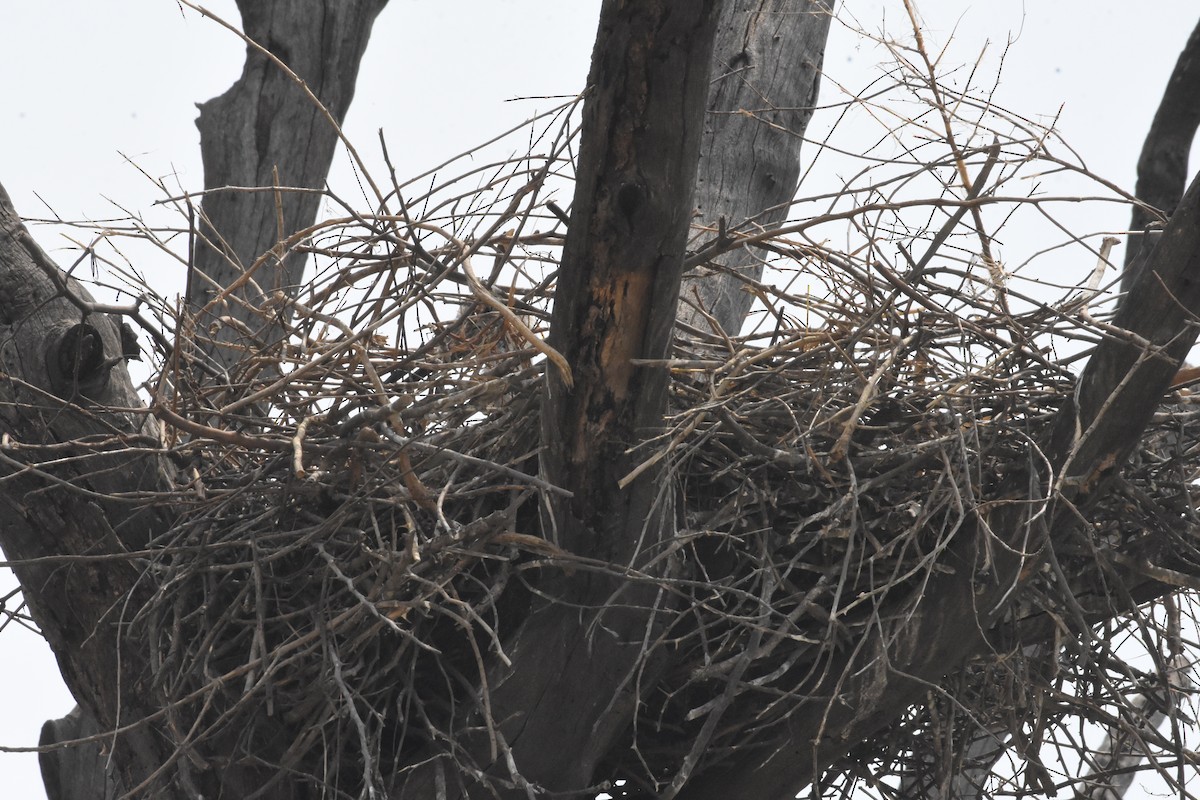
766 76
573 685
267 132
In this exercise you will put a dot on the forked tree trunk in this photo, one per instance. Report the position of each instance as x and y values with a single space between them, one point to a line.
569 692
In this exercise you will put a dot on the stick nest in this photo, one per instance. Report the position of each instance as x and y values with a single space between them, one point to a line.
360 527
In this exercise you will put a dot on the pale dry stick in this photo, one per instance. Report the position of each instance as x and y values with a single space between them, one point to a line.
1102 264
993 267
865 398
298 444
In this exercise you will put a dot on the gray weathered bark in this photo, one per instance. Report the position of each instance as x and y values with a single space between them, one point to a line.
766 74
76 772
264 132
67 391
267 132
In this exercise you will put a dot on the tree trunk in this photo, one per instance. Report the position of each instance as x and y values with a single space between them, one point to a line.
239 150
69 529
571 687
580 662
266 131
266 147
766 75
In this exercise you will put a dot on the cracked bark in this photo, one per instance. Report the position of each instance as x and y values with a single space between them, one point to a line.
766 75
266 132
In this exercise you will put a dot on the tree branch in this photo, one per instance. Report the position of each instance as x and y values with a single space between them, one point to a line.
267 132
766 75
1162 165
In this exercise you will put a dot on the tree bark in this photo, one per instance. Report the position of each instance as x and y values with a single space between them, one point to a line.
578 662
766 74
76 772
264 132
1162 165
69 529
267 134
576 665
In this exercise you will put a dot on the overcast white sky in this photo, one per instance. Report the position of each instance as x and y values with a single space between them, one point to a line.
90 86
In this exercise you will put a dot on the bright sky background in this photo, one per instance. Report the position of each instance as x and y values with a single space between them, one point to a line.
92 89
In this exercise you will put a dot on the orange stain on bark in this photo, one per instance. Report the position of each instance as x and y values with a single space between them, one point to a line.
628 296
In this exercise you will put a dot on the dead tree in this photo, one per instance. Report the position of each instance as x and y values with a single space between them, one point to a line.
255 185
367 592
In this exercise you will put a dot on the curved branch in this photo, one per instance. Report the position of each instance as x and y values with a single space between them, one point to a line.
1162 165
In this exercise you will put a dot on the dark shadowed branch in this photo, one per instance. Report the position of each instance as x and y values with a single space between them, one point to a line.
1162 165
